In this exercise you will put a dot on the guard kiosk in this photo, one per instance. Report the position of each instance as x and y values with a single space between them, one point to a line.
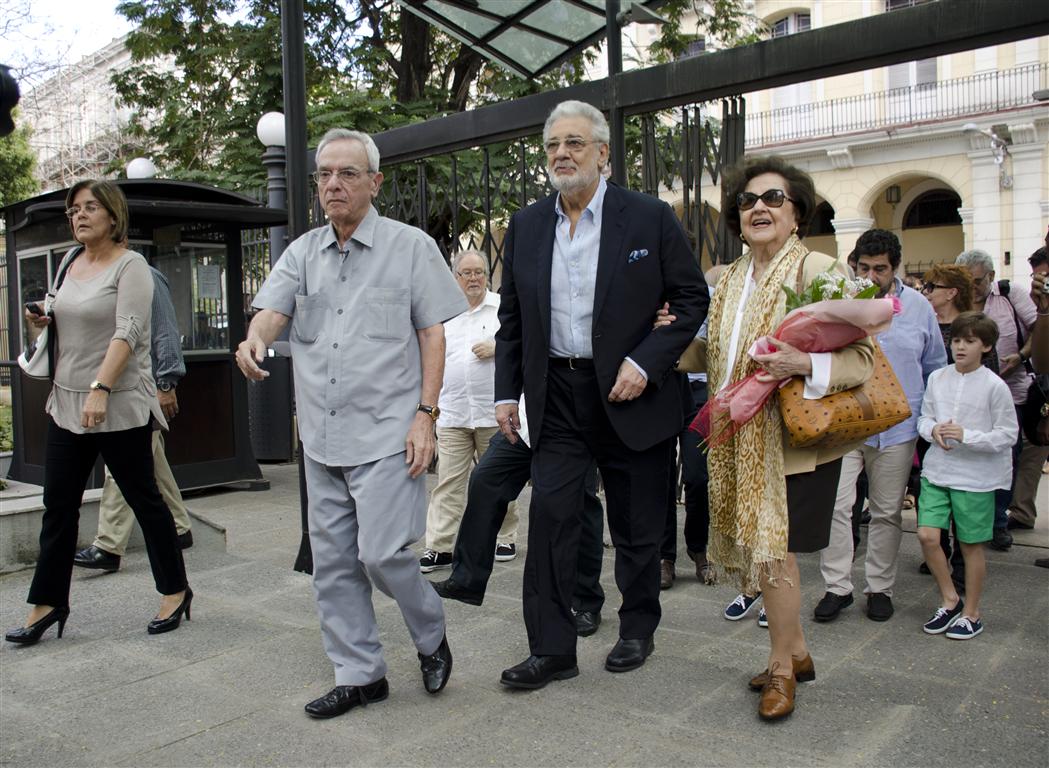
192 234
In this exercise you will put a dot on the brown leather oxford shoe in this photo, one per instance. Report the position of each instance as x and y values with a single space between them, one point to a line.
777 698
804 672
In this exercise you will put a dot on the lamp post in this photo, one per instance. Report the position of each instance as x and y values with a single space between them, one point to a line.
141 168
270 130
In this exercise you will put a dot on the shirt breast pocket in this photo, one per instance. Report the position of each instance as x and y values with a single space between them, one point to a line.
387 314
310 315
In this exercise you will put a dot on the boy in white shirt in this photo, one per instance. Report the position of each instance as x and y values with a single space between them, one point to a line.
969 419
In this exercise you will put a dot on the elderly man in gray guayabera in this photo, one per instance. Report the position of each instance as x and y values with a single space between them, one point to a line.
367 298
1015 314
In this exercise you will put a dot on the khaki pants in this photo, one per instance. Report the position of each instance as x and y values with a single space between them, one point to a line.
458 448
115 517
887 473
1026 501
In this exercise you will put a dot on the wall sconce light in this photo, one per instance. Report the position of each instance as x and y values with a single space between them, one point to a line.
892 194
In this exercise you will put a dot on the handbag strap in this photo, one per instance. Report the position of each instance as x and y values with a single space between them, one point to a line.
67 262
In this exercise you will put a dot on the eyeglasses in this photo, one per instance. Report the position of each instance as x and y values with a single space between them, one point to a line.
348 175
468 273
573 145
928 288
89 208
773 198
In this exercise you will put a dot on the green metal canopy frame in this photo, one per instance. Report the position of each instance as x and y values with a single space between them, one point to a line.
527 37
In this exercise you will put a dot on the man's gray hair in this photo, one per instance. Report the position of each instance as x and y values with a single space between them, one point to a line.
975 257
457 258
342 134
579 109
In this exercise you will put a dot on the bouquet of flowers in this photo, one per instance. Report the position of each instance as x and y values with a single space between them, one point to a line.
822 318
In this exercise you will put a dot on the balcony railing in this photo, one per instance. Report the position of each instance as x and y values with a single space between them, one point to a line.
946 99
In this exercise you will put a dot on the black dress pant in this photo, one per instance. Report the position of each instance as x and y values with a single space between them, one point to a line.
69 459
694 473
575 433
497 480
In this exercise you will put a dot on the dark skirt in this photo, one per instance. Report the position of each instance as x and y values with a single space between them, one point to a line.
810 507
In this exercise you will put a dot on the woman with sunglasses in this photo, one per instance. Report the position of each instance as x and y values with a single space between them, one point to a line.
102 402
768 499
949 289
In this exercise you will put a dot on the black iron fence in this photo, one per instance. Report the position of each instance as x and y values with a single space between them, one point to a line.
959 97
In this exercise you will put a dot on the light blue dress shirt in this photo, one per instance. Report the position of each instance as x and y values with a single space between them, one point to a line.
914 347
573 278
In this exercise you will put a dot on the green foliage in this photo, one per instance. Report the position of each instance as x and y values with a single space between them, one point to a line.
17 163
830 285
726 24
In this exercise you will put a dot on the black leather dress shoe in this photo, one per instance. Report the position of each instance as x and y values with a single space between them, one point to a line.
587 622
629 654
449 590
98 559
830 605
437 667
537 671
185 540
342 698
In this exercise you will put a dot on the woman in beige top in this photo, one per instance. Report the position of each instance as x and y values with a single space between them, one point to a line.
102 402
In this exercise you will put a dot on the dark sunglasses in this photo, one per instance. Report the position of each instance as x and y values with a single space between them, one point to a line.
930 287
773 198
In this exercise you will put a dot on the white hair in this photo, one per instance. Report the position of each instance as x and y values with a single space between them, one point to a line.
975 257
457 258
343 134
579 109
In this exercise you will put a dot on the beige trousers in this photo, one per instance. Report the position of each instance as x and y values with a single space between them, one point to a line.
887 473
115 517
1027 502
458 449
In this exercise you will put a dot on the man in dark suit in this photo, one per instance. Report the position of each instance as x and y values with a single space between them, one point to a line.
583 272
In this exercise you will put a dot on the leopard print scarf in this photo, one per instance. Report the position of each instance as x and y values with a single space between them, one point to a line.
748 490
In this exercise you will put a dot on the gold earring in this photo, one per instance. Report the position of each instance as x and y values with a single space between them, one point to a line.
795 230
742 239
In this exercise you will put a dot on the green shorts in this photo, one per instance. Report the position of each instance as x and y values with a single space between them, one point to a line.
973 511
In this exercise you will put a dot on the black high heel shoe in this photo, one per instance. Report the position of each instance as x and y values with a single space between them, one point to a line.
31 634
159 626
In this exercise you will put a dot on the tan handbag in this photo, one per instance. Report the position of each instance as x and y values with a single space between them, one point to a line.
844 417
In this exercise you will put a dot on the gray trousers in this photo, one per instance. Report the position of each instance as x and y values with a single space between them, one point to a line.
363 520
887 473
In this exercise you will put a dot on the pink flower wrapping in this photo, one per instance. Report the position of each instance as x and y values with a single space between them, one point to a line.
824 326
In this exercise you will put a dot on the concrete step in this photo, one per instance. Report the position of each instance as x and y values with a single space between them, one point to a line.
22 509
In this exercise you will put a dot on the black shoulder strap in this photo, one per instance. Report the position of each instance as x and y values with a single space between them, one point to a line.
1003 288
70 257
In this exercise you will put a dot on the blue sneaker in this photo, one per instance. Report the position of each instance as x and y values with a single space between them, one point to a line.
741 606
763 619
965 628
942 619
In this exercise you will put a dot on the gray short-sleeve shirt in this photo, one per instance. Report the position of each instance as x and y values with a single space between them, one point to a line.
358 371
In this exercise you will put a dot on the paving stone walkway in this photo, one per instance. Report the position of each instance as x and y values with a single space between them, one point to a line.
227 689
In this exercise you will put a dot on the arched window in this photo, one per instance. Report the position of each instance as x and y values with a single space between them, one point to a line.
821 220
937 208
791 24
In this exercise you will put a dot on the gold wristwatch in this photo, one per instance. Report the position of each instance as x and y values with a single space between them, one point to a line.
430 410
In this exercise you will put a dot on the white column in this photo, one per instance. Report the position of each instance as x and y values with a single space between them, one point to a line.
848 231
986 204
1029 185
966 215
